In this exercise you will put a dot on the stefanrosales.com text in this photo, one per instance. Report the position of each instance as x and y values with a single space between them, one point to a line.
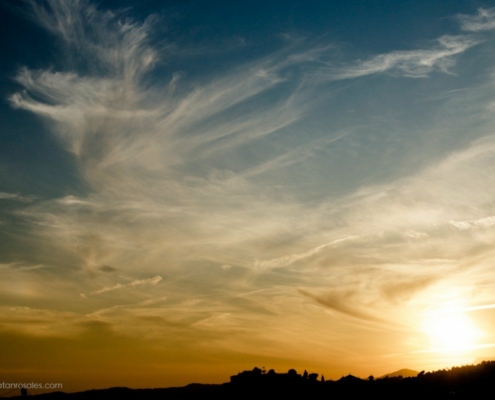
30 385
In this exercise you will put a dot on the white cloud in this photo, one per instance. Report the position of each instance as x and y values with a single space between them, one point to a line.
151 281
109 41
410 63
175 179
483 21
16 197
20 266
479 223
411 233
292 258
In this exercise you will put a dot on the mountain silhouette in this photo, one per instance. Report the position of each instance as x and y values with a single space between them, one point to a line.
350 380
466 382
405 373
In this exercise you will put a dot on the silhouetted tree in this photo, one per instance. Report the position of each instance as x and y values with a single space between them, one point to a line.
312 377
305 375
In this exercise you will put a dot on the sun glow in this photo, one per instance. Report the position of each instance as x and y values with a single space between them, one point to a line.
451 331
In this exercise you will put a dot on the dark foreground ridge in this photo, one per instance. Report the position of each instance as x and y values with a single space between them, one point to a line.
467 382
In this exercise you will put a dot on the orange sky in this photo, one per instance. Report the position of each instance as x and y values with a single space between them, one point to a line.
190 192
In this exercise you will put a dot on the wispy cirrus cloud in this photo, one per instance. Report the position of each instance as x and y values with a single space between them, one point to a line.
151 281
125 133
16 197
409 63
193 181
108 41
345 304
485 222
484 20
20 267
292 258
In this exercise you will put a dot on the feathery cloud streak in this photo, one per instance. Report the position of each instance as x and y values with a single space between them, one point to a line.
133 142
410 63
220 188
150 281
483 21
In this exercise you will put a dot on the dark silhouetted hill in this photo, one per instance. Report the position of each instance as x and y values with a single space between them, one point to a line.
350 380
405 373
482 359
466 382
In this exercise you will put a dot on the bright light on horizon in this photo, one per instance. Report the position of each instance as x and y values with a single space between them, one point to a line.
451 331
189 191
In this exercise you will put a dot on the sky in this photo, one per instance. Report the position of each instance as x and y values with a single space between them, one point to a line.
189 189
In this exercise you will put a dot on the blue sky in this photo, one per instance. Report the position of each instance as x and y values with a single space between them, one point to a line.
293 184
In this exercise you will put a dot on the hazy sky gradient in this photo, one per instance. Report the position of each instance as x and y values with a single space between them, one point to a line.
191 189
